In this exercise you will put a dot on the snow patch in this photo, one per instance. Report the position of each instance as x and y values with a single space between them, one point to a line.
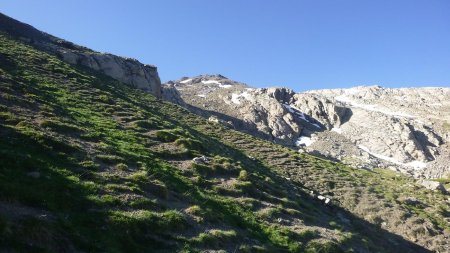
299 114
186 81
246 95
414 164
369 107
337 130
304 141
225 86
235 98
201 95
211 82
417 165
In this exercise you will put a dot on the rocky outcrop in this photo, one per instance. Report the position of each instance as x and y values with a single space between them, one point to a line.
402 129
126 70
170 93
432 185
397 128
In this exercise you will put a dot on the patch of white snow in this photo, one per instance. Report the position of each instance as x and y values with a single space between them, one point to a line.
186 81
299 114
369 107
414 164
304 141
337 130
417 165
211 82
235 98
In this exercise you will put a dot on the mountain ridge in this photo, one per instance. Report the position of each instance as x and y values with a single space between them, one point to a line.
283 116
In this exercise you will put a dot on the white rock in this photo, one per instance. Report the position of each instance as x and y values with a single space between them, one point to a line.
432 185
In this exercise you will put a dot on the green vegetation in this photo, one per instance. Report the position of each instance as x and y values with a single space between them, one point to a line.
89 164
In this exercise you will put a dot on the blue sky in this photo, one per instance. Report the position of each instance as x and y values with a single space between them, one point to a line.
299 44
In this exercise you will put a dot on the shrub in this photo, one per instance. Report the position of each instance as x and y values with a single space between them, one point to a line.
140 176
172 219
195 210
6 116
59 126
110 159
166 136
157 188
88 164
189 144
243 175
252 248
147 124
215 236
322 247
203 169
104 98
142 203
121 166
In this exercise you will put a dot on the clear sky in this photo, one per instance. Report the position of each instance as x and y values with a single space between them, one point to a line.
299 44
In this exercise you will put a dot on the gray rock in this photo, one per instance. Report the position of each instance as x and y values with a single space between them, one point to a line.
126 70
201 160
406 130
432 185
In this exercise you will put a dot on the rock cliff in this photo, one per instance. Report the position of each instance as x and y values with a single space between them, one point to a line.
403 129
126 70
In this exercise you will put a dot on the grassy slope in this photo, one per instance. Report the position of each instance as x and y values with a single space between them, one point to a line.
89 164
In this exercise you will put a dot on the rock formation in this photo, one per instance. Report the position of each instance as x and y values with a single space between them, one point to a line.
126 70
403 129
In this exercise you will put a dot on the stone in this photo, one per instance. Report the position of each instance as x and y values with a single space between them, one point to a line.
213 119
432 185
200 160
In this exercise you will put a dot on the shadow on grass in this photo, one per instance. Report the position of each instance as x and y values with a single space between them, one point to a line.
37 179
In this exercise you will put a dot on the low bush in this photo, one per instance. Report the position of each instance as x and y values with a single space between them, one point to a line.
122 166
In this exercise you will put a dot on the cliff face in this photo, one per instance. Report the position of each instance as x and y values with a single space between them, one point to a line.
126 70
404 129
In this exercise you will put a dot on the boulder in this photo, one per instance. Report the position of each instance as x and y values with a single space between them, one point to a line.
200 160
432 185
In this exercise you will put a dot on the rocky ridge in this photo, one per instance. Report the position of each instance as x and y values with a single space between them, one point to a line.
127 70
369 126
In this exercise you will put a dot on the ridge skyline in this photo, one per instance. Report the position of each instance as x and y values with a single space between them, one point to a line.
278 47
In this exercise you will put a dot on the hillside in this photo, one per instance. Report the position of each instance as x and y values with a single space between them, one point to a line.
91 164
405 129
